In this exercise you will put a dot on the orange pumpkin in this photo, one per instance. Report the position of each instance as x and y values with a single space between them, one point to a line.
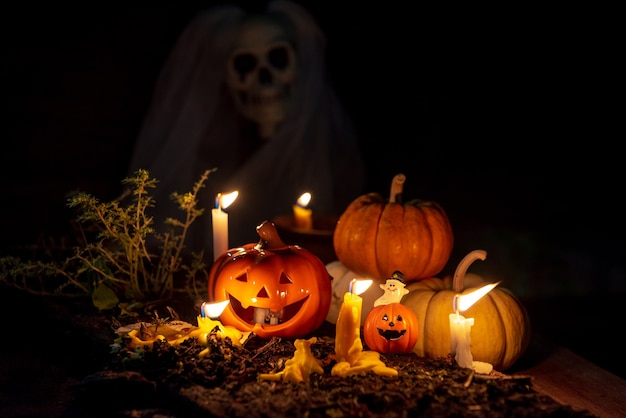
501 331
374 237
391 328
275 290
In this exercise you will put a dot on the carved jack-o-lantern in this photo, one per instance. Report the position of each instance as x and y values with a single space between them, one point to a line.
391 328
275 290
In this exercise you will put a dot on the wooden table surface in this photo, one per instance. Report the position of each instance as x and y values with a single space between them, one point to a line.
572 380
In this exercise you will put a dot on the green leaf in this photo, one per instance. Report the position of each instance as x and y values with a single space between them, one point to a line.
104 298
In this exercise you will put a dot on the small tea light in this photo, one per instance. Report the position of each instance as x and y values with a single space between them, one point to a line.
303 216
207 322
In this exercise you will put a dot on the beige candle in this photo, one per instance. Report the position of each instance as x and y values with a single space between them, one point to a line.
303 216
348 344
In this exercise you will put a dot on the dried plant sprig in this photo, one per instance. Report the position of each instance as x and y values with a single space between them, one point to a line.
127 260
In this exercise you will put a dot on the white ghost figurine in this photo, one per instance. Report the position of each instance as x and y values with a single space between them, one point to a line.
394 289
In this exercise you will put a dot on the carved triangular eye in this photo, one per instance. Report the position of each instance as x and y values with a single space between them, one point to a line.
399 319
284 279
242 278
385 317
262 293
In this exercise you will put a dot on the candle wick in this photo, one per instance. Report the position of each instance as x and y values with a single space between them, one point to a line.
455 304
351 287
218 201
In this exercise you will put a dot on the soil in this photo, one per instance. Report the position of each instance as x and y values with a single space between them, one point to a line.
62 362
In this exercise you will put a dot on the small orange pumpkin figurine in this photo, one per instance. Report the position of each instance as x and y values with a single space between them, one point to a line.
275 290
391 327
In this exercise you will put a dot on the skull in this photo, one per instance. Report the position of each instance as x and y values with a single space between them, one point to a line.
260 73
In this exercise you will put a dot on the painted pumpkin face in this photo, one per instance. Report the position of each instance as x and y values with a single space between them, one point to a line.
391 328
275 290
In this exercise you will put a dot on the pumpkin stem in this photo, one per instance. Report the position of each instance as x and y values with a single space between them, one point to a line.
269 236
461 269
397 184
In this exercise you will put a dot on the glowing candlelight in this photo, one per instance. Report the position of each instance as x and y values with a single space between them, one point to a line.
460 327
208 322
465 301
348 327
220 223
302 215
213 310
175 332
351 359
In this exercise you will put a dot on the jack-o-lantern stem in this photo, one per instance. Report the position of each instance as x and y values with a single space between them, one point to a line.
397 185
461 269
269 236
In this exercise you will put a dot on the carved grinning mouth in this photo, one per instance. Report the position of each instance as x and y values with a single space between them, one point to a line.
391 335
247 314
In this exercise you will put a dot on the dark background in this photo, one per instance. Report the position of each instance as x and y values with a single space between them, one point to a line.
506 117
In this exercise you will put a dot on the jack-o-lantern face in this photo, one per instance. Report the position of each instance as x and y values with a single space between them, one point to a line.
391 328
275 290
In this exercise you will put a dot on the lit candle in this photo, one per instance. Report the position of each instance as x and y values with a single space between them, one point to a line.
220 223
175 332
348 328
303 216
207 323
460 327
351 359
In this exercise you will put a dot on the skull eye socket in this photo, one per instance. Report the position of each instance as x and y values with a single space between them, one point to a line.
244 64
278 57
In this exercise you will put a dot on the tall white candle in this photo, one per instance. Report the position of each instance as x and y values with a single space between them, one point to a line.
460 328
220 223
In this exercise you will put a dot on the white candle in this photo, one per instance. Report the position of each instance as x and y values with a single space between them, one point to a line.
460 327
220 223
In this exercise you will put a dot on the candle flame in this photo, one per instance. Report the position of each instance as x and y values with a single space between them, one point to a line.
213 310
359 286
465 301
304 199
225 200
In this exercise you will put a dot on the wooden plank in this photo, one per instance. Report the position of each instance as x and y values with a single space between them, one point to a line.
571 380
